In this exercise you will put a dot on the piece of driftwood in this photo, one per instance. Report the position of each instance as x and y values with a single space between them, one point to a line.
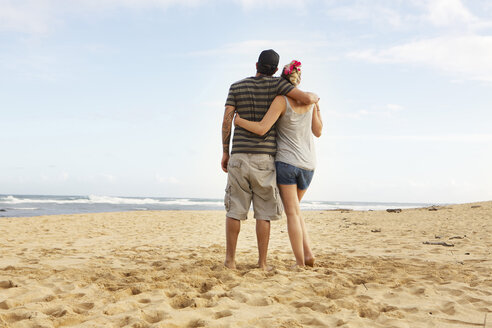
476 206
441 243
457 237
393 210
376 230
433 208
437 237
341 210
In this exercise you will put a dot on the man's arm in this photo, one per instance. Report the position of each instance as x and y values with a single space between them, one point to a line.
226 135
307 98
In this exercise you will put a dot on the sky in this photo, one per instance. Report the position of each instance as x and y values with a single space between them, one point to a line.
126 97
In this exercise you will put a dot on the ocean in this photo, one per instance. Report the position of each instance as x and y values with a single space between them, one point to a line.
36 205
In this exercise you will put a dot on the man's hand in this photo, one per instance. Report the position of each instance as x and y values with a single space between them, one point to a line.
307 98
225 161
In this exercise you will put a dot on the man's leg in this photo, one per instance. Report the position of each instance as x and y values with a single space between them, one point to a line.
263 238
233 227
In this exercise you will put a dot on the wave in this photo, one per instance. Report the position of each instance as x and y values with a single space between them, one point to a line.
93 199
33 202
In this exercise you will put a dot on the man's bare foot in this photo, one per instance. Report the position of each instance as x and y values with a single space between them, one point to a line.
230 265
309 261
265 267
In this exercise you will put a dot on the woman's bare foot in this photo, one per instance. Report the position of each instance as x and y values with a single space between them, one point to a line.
309 261
230 265
297 267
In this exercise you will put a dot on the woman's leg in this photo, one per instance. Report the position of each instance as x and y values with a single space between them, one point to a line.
308 254
294 227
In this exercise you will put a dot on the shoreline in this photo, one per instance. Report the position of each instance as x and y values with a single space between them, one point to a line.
32 205
164 269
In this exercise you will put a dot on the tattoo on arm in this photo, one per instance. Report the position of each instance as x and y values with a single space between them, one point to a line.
226 129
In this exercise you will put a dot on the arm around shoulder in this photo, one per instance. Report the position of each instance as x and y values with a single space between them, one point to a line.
306 98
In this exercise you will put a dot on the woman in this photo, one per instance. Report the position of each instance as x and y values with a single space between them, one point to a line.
295 158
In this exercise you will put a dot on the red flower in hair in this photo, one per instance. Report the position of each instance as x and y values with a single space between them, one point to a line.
293 64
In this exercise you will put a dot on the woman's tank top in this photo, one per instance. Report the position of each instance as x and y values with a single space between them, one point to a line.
295 145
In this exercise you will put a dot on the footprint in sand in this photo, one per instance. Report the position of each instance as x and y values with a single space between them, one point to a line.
448 308
154 316
315 306
8 304
208 285
7 284
144 300
182 301
58 311
197 323
20 315
260 301
222 314
83 307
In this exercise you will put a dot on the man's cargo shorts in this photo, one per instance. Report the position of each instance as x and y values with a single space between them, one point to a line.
252 177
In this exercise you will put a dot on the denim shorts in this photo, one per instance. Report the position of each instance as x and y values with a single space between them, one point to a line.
291 175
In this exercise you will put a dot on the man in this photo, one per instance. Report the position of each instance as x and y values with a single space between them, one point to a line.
250 167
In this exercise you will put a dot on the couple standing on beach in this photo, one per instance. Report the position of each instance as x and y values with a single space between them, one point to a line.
269 164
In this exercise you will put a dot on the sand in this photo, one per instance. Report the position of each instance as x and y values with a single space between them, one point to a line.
164 269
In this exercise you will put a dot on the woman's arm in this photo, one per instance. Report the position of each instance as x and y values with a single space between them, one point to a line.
317 125
276 109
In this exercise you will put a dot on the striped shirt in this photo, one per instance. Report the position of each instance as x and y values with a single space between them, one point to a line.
251 97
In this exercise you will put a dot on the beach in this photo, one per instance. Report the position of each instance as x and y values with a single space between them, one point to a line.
425 267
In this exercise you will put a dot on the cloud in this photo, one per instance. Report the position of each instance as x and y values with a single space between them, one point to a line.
166 180
25 16
250 4
394 107
443 14
387 110
108 177
364 11
449 12
41 16
467 56
249 47
472 138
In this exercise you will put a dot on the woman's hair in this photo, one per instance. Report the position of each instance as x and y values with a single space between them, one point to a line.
292 72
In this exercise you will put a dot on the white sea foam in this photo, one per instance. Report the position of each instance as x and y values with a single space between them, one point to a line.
177 203
94 199
188 202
